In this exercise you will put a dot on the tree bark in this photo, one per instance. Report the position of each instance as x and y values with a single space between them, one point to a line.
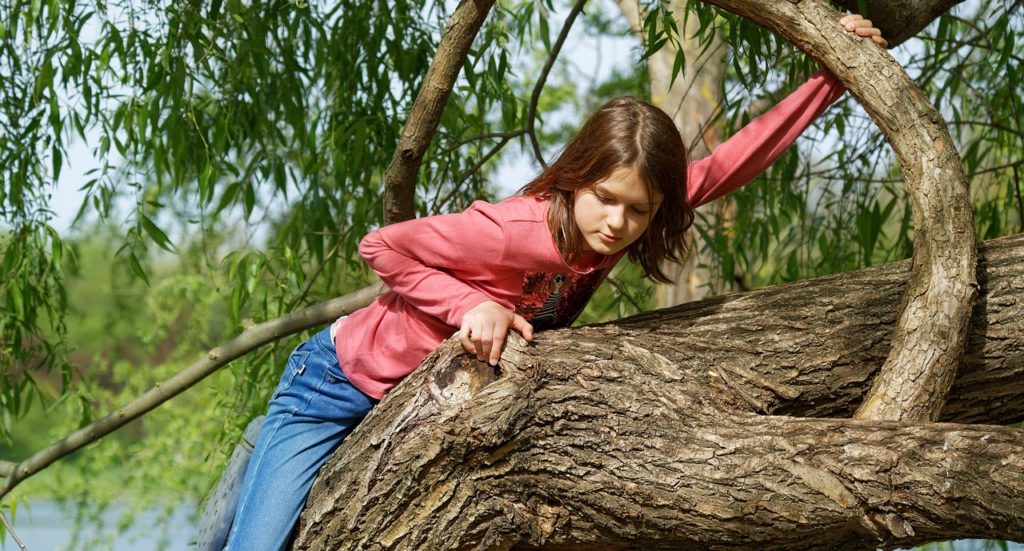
644 433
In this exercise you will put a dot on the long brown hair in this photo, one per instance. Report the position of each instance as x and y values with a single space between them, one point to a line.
624 132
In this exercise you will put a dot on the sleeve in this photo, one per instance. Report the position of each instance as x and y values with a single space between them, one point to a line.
433 262
755 147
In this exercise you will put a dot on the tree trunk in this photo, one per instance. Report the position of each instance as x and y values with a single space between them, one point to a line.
644 433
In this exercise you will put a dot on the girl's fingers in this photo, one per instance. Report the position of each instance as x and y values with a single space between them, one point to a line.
864 28
464 338
868 31
500 331
520 324
485 342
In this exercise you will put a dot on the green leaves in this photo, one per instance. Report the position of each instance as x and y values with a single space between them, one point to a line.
156 234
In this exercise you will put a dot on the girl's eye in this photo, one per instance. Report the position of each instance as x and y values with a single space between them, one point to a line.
640 210
603 198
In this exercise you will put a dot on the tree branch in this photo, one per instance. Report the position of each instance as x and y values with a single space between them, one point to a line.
599 438
249 340
425 115
556 48
10 530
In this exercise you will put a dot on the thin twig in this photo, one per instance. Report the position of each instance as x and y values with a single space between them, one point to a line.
990 124
487 136
312 278
539 86
506 137
10 530
622 290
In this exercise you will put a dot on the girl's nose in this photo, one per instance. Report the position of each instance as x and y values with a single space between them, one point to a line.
616 218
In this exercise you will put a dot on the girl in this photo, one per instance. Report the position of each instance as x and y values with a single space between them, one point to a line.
620 187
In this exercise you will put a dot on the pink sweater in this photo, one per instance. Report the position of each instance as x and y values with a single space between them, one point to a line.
440 267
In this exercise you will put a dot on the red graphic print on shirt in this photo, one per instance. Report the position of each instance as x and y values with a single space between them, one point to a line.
552 300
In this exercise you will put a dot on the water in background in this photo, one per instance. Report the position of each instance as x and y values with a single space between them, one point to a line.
45 527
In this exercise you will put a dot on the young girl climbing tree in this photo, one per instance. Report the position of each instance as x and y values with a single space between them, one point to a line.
621 187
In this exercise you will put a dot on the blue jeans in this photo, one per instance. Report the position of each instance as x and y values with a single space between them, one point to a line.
313 409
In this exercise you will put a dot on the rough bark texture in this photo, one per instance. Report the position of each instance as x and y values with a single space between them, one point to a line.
425 115
643 434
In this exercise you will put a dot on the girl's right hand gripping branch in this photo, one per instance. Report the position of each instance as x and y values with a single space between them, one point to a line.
485 326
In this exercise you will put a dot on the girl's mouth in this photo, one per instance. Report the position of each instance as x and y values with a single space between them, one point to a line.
608 238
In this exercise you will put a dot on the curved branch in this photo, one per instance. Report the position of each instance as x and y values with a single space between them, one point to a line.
531 113
249 340
425 115
929 338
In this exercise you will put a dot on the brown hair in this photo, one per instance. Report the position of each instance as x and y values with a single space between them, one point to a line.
624 132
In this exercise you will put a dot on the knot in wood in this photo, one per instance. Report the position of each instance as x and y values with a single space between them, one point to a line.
463 378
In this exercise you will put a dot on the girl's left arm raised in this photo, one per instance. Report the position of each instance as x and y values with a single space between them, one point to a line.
756 146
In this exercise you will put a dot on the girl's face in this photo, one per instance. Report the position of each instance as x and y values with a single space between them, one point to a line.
615 212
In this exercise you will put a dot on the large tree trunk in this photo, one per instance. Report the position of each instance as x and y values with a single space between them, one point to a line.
645 432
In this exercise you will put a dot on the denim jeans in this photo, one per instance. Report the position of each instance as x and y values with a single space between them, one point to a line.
313 409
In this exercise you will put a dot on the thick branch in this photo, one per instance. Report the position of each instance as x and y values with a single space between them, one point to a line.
612 444
249 340
425 115
933 323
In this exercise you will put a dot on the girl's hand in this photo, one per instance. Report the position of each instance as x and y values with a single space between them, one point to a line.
485 327
854 23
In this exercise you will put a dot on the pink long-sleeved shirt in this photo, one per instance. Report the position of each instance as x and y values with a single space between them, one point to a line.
440 267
